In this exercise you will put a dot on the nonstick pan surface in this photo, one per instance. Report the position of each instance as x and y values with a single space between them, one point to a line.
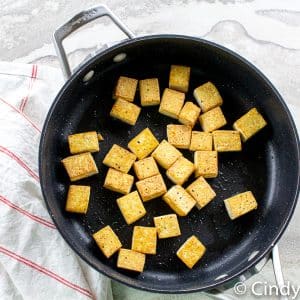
268 164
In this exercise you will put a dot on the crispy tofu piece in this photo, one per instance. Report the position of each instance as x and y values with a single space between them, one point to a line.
143 144
227 140
149 92
78 199
131 260
180 171
206 164
100 137
179 78
151 187
80 166
131 207
201 141
117 181
107 241
166 154
249 124
191 251
201 191
144 239
125 88
189 114
179 135
207 96
145 168
240 204
125 111
212 120
83 142
179 200
171 103
167 226
119 158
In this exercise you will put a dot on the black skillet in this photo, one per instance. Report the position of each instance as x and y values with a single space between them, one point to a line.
268 164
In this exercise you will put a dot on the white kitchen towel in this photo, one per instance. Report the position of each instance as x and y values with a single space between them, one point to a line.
35 261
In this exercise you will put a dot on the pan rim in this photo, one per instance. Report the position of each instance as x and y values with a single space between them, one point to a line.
122 278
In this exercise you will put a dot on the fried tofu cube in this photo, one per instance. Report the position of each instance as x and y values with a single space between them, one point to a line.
201 141
119 158
179 135
201 191
145 168
179 200
80 166
179 78
189 114
131 260
131 207
240 204
167 226
171 103
78 199
117 181
249 124
125 88
149 92
191 251
83 142
151 187
144 239
107 241
180 171
125 111
212 120
100 137
207 96
206 164
227 140
143 144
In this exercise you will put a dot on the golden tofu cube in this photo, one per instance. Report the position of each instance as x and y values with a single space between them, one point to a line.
145 168
119 158
189 114
206 164
201 191
80 166
171 103
144 239
179 135
151 187
201 141
212 120
149 92
125 111
83 142
131 207
78 199
180 171
179 200
167 226
207 96
249 124
240 204
227 140
117 181
107 241
100 137
191 251
143 144
131 260
125 88
179 78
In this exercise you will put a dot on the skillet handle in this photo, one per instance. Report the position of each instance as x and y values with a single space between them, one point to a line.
78 21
